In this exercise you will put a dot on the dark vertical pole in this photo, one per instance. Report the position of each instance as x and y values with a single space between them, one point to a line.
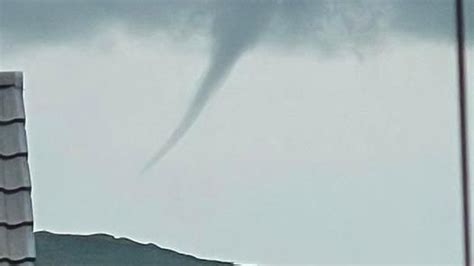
463 130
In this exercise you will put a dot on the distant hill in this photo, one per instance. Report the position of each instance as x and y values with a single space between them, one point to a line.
101 249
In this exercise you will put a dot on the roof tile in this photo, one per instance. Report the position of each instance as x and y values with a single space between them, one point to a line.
17 243
11 104
17 208
11 79
12 139
14 174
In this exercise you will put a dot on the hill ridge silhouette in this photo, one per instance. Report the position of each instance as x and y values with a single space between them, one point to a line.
103 249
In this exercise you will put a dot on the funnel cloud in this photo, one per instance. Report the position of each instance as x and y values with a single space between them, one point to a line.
236 27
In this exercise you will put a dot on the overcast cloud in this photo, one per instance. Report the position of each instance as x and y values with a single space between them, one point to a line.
27 23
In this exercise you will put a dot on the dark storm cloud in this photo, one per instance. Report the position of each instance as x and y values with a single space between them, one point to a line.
29 23
428 19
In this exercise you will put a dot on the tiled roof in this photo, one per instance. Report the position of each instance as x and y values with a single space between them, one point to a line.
17 246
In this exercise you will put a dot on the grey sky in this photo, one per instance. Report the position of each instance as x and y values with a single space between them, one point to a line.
315 149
